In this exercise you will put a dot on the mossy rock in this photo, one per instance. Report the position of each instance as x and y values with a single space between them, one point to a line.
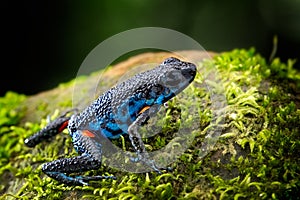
249 151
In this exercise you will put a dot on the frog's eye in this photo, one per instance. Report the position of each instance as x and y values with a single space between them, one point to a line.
172 79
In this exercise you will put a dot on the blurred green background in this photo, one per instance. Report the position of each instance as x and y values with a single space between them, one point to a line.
45 42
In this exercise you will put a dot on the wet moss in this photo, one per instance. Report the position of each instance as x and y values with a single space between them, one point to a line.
256 155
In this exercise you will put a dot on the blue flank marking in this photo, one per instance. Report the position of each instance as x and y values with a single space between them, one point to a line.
149 102
112 126
126 113
108 134
135 107
124 128
160 99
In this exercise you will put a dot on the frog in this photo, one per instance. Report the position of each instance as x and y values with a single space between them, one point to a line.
119 111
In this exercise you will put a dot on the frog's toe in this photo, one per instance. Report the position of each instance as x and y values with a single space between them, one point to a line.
96 178
167 169
158 169
84 180
134 159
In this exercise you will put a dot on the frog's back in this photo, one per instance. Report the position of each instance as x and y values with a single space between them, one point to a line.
112 112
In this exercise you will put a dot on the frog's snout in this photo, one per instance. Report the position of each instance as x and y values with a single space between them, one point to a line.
189 72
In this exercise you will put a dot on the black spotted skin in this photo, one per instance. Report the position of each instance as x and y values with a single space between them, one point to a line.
118 111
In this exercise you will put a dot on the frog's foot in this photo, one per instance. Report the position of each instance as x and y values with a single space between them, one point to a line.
77 180
83 180
60 170
155 167
151 163
95 178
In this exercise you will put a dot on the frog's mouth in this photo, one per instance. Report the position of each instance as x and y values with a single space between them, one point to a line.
190 72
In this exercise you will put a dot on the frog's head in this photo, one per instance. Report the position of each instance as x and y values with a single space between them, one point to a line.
174 76
177 74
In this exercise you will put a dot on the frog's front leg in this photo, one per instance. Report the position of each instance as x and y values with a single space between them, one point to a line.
90 159
136 139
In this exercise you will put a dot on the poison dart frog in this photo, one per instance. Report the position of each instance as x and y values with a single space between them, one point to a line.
120 110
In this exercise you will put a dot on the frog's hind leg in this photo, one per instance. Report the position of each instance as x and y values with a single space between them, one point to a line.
52 129
90 159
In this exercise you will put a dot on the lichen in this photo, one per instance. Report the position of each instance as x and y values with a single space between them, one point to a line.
255 157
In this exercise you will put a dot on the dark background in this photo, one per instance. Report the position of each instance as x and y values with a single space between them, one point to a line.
44 43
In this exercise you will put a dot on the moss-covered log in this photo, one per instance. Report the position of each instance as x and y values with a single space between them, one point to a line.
256 155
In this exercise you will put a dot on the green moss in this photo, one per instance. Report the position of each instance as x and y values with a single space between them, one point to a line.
10 112
255 157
